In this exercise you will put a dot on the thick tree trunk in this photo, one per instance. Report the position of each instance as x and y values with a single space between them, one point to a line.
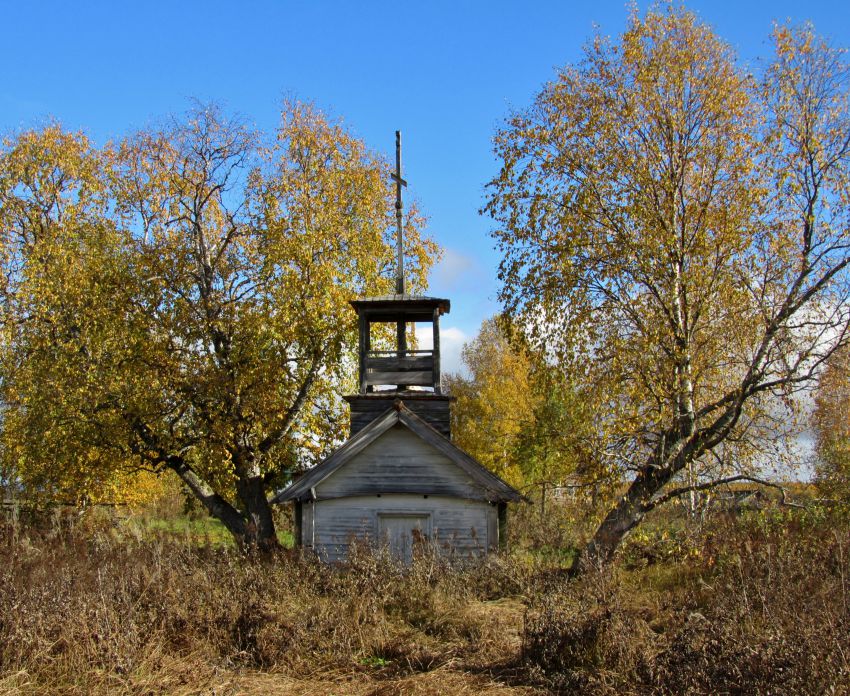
260 530
640 498
625 516
253 529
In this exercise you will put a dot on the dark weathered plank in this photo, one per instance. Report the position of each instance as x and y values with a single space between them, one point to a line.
363 328
299 525
435 412
424 378
503 525
436 366
398 354
420 408
396 364
492 528
441 426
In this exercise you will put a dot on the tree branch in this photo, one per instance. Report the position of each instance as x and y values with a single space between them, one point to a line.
682 490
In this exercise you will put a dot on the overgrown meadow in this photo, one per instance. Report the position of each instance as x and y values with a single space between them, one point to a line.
674 231
755 602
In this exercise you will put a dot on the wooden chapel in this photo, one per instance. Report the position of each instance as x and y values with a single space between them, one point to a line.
399 480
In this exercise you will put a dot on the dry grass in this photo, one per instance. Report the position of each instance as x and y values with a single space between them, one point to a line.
759 607
92 611
752 606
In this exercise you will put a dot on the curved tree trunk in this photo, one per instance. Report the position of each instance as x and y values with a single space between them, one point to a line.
625 516
252 528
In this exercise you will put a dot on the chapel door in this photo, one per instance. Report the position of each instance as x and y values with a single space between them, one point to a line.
401 533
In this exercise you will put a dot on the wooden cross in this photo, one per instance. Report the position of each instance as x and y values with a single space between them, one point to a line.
399 182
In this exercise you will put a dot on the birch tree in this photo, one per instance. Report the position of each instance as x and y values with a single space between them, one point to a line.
675 233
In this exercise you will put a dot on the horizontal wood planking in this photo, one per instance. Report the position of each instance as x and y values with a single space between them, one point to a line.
418 402
460 527
407 364
421 378
395 353
399 462
434 412
361 420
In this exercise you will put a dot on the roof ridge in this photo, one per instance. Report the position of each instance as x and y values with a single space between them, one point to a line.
395 414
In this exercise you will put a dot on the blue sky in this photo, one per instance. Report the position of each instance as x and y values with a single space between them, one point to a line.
445 73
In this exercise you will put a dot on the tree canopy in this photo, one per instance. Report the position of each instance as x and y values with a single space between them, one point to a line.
179 300
521 417
675 232
494 403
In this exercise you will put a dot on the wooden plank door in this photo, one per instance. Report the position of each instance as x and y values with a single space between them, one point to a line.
402 532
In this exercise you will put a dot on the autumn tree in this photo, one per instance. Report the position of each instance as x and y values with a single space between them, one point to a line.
832 427
520 417
179 301
495 402
558 449
675 232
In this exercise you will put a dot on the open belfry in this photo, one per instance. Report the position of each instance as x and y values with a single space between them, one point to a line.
398 480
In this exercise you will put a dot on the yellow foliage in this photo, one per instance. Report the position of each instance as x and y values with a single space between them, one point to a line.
179 300
832 427
519 417
494 404
675 237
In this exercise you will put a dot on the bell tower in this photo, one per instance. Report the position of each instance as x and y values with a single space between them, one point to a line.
413 376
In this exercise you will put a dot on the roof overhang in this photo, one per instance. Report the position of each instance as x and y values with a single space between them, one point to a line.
409 307
493 489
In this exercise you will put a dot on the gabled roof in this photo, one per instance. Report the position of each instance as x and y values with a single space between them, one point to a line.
494 489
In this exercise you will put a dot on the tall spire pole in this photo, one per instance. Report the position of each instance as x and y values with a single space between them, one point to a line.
401 327
399 182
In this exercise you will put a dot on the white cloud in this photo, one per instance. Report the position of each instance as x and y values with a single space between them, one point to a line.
452 340
451 271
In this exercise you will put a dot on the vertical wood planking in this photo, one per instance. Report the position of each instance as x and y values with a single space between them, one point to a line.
307 524
364 342
436 327
492 528
299 525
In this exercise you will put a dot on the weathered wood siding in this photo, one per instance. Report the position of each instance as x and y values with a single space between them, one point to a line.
460 527
435 412
399 462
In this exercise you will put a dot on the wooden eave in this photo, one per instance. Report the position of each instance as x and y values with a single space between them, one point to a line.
402 395
493 489
392 307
